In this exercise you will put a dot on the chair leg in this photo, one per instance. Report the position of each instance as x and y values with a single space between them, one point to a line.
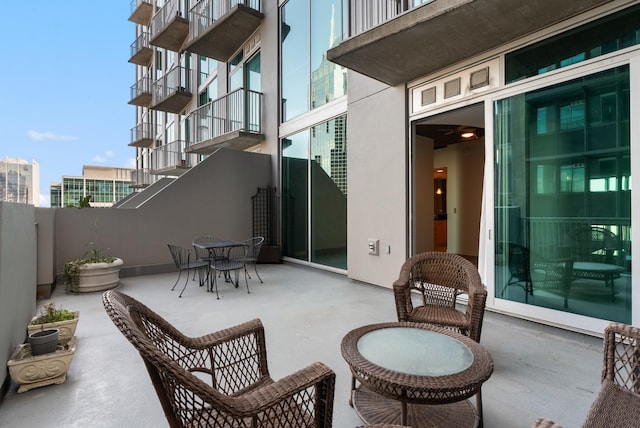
215 284
185 284
245 280
255 267
179 273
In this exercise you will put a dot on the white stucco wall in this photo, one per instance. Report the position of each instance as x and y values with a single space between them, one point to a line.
377 165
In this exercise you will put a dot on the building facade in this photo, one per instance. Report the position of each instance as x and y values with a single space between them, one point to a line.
20 181
104 185
523 121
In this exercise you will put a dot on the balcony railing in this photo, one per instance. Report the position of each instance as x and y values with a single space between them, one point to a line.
366 14
171 159
140 178
172 92
220 27
238 113
141 52
142 135
141 11
141 93
168 28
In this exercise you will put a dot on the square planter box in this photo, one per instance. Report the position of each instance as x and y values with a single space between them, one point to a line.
30 371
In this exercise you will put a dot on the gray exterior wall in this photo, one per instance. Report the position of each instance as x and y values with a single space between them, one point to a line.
17 277
213 198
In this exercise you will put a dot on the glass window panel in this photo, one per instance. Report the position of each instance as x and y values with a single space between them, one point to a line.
609 34
328 80
295 184
565 247
329 194
294 33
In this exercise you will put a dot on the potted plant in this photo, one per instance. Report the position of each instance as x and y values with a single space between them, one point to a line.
31 371
44 341
51 316
93 272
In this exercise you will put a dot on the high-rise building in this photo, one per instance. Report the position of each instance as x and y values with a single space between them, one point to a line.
523 113
104 185
20 181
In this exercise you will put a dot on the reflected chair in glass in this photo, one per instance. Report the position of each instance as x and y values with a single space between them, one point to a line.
438 279
185 260
253 252
221 379
536 272
231 260
618 402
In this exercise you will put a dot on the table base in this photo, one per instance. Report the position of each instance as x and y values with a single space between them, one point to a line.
376 409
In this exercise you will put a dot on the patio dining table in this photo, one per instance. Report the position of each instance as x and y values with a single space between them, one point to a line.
217 249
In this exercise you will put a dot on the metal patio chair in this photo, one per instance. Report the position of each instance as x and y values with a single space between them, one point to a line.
185 260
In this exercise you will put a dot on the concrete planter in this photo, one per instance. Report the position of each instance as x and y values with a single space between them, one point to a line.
99 276
30 371
67 328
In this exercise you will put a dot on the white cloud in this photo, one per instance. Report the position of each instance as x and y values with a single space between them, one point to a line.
47 135
45 200
105 157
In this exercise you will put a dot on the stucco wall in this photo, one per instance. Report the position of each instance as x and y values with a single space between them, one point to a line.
17 277
377 165
214 198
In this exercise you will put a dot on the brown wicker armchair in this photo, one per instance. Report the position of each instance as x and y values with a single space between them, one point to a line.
440 278
618 403
239 391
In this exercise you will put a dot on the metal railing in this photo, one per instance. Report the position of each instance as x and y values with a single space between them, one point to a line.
176 79
162 17
140 177
142 86
143 131
367 14
241 110
141 42
172 155
206 12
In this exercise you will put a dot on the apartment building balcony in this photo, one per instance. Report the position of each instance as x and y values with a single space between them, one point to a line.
169 28
141 51
142 135
171 159
399 41
141 12
140 178
233 121
219 28
172 92
141 94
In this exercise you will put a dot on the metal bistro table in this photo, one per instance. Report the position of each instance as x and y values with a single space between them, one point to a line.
214 248
415 374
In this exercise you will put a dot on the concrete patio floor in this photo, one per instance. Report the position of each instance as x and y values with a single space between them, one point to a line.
539 370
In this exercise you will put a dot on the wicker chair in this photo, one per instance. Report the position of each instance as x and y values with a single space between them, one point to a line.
239 391
440 278
618 402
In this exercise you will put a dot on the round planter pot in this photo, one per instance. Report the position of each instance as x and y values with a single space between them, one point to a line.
44 341
99 276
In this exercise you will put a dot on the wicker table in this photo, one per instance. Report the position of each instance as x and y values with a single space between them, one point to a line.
415 374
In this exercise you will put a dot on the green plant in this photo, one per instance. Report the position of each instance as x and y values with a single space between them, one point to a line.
92 255
49 313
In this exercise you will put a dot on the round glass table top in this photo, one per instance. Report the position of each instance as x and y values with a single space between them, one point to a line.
415 351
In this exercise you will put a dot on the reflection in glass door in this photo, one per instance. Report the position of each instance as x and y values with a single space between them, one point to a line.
563 196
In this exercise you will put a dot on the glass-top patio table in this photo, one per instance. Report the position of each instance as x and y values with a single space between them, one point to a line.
216 248
415 374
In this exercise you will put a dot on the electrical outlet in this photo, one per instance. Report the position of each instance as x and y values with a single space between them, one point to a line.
374 244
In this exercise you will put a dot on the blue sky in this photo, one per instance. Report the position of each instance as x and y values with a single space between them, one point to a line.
65 80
